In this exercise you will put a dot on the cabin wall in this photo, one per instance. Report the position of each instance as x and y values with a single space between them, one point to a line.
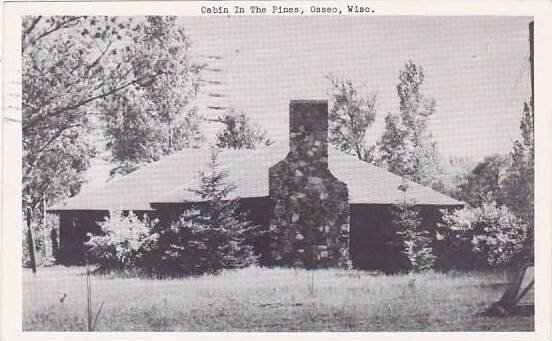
374 244
73 227
258 210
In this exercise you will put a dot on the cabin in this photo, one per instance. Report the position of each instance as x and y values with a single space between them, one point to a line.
323 206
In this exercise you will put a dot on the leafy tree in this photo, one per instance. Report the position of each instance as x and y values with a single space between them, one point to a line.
58 171
136 137
500 184
351 114
406 147
519 185
484 182
150 120
239 133
61 78
211 236
70 64
72 67
520 181
453 174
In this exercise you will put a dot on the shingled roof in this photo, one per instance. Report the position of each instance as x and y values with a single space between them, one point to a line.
169 181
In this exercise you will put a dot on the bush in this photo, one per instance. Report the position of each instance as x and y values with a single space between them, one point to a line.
486 236
126 242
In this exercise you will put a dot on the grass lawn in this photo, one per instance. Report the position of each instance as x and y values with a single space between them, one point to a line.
258 299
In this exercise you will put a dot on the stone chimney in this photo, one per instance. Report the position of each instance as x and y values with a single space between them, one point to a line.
309 220
308 132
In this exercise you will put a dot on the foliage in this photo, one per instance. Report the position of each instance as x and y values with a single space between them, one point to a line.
56 172
126 242
239 133
507 180
151 119
416 239
210 237
136 137
484 181
488 235
194 245
406 147
72 67
453 174
351 114
64 74
519 185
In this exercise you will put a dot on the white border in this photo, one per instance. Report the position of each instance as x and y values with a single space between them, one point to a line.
10 238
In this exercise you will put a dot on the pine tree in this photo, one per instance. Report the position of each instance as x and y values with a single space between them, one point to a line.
211 236
416 240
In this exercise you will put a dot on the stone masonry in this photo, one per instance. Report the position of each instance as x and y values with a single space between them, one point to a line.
309 221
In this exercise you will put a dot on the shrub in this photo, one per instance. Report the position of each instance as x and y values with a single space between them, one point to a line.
415 239
126 242
486 236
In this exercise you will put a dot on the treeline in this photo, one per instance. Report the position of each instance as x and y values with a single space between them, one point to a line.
497 225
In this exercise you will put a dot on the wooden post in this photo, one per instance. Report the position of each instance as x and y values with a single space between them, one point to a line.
30 241
54 241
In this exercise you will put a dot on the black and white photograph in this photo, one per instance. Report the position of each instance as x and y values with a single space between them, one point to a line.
276 169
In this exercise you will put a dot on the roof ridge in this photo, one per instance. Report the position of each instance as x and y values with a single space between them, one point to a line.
183 187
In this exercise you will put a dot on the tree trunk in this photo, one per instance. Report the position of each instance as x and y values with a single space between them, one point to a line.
30 241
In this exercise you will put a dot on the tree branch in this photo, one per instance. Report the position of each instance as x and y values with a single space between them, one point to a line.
57 27
86 101
33 24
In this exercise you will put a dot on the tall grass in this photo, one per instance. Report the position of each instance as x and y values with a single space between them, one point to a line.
260 299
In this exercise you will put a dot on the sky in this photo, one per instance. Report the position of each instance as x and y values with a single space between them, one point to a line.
476 69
